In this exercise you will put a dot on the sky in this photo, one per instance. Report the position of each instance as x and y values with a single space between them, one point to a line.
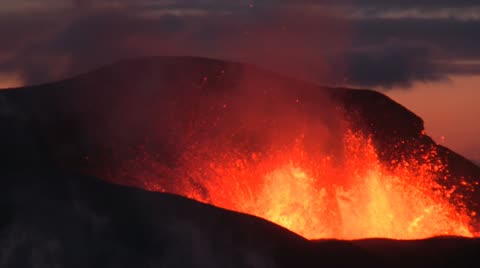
422 53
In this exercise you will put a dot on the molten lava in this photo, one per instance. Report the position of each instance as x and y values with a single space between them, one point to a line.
293 157
318 196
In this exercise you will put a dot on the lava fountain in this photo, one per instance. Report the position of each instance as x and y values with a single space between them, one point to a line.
279 160
317 198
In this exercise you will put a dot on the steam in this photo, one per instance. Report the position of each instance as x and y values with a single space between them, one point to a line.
287 40
325 42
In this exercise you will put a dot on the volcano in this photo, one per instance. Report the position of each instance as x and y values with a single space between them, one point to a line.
306 161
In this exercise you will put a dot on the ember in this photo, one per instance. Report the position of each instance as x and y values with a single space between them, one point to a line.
316 197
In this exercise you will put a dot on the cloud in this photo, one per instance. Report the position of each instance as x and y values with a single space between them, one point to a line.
391 65
97 38
393 43
391 4
457 39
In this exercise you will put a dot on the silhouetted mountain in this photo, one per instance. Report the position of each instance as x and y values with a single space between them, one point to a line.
98 122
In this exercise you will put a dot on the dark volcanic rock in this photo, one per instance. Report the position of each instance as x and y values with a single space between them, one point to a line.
60 220
52 219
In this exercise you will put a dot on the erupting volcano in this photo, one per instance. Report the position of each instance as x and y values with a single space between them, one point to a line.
322 162
289 153
318 198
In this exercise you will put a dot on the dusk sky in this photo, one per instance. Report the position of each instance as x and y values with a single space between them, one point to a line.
422 53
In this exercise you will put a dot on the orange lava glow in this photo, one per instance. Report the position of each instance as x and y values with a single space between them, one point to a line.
319 197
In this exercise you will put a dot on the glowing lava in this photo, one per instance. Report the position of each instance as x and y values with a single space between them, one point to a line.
319 197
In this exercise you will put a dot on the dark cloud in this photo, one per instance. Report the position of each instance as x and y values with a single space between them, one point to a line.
389 4
392 65
103 37
397 52
364 51
410 3
457 39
